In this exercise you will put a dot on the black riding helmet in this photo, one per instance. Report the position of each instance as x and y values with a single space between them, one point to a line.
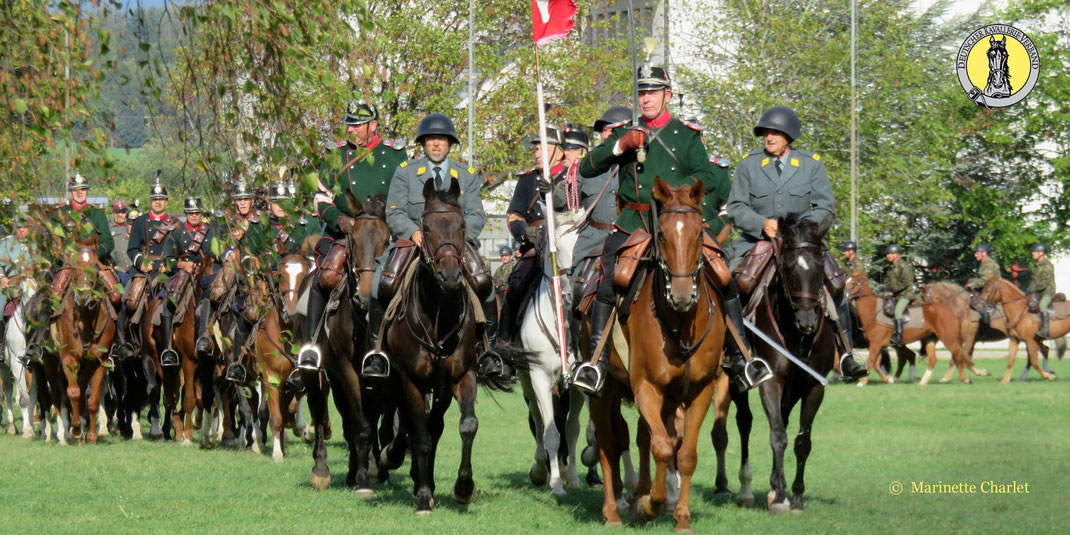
576 138
893 248
505 251
983 247
1039 247
781 118
436 124
848 246
614 115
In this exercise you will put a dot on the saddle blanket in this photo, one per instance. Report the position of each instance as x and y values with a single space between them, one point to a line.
913 316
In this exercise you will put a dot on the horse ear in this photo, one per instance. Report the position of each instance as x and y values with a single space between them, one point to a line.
354 205
698 192
455 189
429 189
662 192
991 39
823 227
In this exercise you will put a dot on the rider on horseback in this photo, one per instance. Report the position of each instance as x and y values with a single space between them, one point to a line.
364 165
898 284
405 207
184 250
770 184
15 261
1043 283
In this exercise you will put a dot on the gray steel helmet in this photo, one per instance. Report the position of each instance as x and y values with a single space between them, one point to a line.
193 205
505 251
983 247
893 248
614 115
436 124
780 118
1039 247
554 136
576 138
848 246
359 111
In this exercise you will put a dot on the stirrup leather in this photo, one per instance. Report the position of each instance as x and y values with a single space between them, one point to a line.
309 358
373 362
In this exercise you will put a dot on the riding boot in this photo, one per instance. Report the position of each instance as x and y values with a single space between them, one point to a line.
122 349
507 320
746 375
34 348
851 369
168 357
204 340
590 377
235 372
897 336
310 357
490 364
1043 331
843 310
375 363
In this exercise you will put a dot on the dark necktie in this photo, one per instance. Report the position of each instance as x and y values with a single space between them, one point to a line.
438 178
779 166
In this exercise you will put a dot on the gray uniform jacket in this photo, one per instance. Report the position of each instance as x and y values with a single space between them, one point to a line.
759 194
604 213
405 202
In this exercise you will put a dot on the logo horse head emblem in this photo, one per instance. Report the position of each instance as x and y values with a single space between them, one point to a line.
999 77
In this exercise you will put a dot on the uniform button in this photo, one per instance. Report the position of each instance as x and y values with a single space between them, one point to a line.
675 131
674 149
778 192
672 169
640 186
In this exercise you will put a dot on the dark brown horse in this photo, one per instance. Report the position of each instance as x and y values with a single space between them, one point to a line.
939 323
82 331
1020 323
791 312
431 342
346 342
668 356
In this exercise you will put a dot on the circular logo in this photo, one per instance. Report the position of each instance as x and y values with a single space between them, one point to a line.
895 488
997 65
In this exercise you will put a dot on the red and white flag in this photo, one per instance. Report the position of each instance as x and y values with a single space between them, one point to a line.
551 20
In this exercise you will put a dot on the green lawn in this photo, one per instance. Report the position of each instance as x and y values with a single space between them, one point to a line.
864 439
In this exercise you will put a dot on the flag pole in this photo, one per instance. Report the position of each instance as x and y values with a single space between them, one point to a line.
559 318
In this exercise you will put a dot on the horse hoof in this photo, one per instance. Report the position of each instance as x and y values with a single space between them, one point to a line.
687 529
365 494
537 474
778 508
422 512
558 492
11 429
614 524
968 381
277 456
319 482
28 434
745 503
462 499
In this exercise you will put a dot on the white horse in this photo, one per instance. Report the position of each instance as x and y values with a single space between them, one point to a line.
13 371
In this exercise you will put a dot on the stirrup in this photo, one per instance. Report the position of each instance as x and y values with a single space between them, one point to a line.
375 365
309 358
123 350
204 347
756 372
106 360
490 364
293 383
236 373
851 357
169 358
588 388
33 353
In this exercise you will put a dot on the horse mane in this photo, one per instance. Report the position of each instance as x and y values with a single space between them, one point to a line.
446 198
375 206
798 229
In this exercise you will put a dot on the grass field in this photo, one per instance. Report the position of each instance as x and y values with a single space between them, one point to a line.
864 440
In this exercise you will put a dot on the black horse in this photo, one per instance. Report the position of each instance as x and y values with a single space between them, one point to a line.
432 343
792 313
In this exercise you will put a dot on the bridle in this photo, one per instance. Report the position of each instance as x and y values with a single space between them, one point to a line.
791 295
446 249
685 349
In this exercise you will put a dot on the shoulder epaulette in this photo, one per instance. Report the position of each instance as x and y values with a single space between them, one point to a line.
454 173
692 125
816 157
403 164
471 170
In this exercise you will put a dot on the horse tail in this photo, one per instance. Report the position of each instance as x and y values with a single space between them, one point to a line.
1060 347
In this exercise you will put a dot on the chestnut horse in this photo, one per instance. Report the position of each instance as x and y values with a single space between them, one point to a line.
341 353
189 386
83 331
431 343
1020 323
939 322
958 298
673 339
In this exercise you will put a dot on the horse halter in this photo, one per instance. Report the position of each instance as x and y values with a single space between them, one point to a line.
447 249
815 299
350 242
694 273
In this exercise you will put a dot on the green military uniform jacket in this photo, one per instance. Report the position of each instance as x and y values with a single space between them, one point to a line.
854 266
363 171
304 227
501 275
758 193
14 258
142 239
405 202
677 155
177 244
1043 281
987 271
100 223
899 281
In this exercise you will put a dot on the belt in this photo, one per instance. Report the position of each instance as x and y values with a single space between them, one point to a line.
638 207
602 226
537 223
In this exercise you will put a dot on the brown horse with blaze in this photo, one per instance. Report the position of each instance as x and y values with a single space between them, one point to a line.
668 356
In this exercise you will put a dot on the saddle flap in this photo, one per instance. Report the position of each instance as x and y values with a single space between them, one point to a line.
753 265
714 256
835 276
630 254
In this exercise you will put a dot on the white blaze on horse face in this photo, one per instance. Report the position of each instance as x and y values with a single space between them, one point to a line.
85 256
679 227
293 269
803 263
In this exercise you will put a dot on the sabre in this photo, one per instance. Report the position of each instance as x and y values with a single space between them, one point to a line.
780 349
640 154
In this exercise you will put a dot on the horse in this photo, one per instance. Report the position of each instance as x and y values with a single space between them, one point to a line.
13 367
189 386
273 348
82 333
346 327
999 76
791 311
538 336
1021 324
672 339
432 343
938 322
